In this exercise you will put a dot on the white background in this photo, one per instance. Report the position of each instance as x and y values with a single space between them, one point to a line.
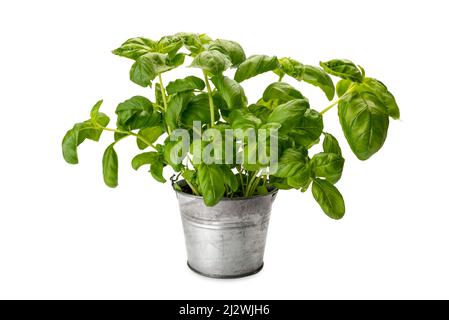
64 234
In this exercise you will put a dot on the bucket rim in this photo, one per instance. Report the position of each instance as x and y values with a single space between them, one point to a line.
271 192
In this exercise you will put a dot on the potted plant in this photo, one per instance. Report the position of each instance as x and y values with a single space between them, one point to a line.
229 156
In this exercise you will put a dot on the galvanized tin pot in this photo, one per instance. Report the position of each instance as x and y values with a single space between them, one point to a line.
227 240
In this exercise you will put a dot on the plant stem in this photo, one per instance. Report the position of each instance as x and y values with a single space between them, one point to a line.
164 97
131 134
194 190
211 100
338 100
249 186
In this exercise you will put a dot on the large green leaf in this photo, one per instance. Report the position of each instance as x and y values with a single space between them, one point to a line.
212 61
289 114
328 166
150 135
135 47
329 198
307 130
156 170
343 68
281 92
69 146
169 44
230 48
186 84
110 167
197 109
210 179
255 65
364 120
317 77
242 119
291 161
135 113
343 86
229 178
192 42
148 66
175 107
231 91
330 144
291 67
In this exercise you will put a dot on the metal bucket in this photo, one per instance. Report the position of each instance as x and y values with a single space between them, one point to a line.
227 240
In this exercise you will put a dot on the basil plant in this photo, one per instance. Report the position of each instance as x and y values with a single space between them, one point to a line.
214 99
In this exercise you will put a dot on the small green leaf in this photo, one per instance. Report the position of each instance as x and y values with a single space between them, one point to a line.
343 68
212 61
210 178
330 144
147 67
329 198
328 166
150 135
289 114
144 158
187 84
156 170
231 91
364 120
242 119
230 48
290 67
69 146
317 77
110 167
135 113
229 178
307 130
281 92
255 65
95 110
343 86
192 42
169 44
175 107
291 161
135 47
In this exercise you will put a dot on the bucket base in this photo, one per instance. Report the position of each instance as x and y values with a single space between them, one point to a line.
219 276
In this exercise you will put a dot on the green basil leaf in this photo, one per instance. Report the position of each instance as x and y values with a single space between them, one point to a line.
144 158
192 42
343 86
328 166
156 170
289 114
330 144
343 68
110 167
230 48
147 67
290 67
291 161
281 92
301 178
197 109
279 183
317 77
136 113
212 61
364 120
175 107
381 92
173 150
187 84
135 47
150 134
231 91
260 111
255 65
242 119
169 44
329 198
210 178
229 178
307 130
70 145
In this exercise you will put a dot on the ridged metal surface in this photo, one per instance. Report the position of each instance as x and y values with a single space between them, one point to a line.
227 240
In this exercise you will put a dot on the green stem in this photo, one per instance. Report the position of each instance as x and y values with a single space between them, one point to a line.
211 100
249 186
164 99
131 134
194 190
338 100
